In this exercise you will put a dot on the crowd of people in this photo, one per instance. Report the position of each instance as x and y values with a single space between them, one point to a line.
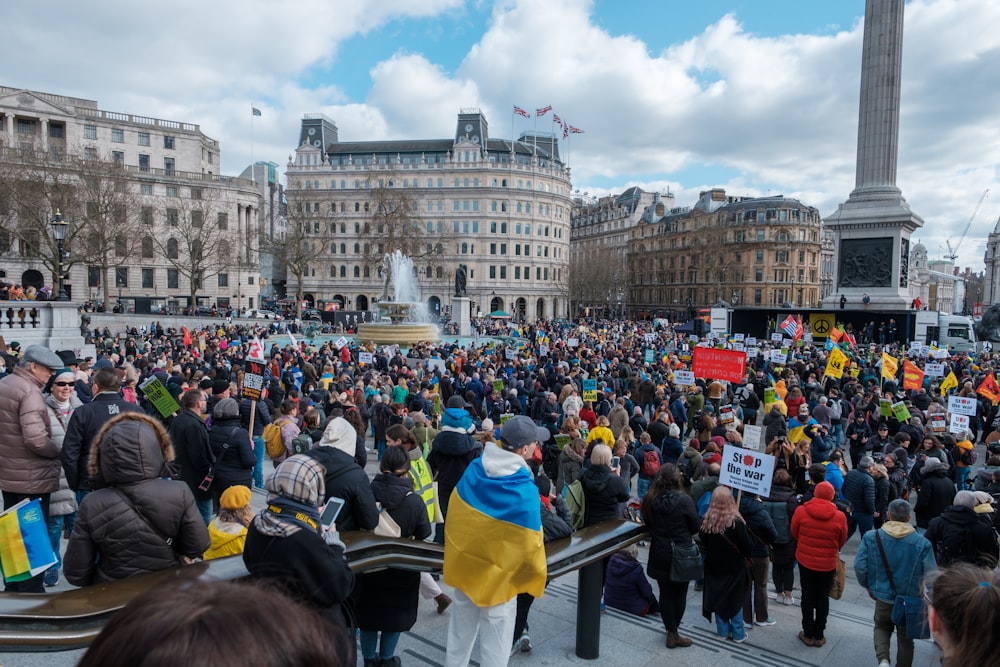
571 425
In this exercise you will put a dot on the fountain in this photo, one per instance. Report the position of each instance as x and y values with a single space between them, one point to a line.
404 318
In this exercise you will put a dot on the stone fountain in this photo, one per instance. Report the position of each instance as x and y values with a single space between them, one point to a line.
403 319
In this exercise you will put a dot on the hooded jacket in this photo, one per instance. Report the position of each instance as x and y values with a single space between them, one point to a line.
910 556
603 491
820 530
121 529
958 535
935 494
451 452
626 587
762 531
346 479
30 459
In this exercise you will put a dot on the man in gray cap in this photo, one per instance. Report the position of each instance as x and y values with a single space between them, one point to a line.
496 497
30 459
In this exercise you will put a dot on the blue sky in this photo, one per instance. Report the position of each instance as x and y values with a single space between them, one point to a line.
756 96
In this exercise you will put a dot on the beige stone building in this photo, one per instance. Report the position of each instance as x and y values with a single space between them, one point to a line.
500 207
177 219
761 252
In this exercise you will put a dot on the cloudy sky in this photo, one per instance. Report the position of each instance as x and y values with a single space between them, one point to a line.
756 96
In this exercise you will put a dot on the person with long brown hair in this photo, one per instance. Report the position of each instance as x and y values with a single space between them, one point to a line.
671 518
727 546
963 612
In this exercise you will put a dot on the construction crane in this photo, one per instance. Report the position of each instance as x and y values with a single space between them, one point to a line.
953 252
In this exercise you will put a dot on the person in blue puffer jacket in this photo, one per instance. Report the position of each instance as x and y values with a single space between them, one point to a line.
452 450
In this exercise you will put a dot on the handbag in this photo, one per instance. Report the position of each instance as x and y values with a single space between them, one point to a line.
387 526
908 612
839 580
686 563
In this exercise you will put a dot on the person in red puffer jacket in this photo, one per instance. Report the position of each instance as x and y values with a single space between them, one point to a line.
820 530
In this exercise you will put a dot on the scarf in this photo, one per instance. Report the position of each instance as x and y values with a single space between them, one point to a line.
284 517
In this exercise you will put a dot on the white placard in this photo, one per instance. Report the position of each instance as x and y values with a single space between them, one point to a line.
751 341
940 354
341 342
572 342
987 347
683 378
366 357
543 350
752 436
959 424
934 370
510 354
777 336
739 337
649 338
958 405
739 347
747 470
778 357
751 353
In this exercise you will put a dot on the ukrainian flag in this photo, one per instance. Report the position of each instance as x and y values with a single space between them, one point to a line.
494 547
25 548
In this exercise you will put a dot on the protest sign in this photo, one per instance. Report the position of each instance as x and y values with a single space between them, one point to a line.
934 370
158 395
938 423
779 357
510 354
751 341
719 364
253 386
650 356
341 342
752 436
590 390
739 337
746 470
959 424
777 336
572 342
900 411
683 378
726 415
957 405
885 407
366 358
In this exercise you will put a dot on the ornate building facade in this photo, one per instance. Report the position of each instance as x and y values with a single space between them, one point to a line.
150 218
744 252
500 207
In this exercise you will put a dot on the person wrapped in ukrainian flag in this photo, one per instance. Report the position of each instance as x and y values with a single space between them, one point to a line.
494 547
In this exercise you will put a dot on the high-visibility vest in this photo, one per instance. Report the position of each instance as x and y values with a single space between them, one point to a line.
423 484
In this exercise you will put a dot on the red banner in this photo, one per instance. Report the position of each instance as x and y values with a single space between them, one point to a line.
719 364
913 377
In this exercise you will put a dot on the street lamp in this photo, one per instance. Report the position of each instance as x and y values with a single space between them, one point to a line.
59 234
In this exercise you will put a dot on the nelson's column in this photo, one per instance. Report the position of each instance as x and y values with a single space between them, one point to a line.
872 228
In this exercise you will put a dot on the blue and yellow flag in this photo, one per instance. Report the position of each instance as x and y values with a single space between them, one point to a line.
25 548
494 547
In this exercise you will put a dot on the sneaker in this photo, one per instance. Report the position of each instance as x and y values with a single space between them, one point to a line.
769 621
524 642
790 600
698 587
51 577
884 663
747 626
740 640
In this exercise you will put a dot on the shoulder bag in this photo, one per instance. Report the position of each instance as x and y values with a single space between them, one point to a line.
686 563
908 611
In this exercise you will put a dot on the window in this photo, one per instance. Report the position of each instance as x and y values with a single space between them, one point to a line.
493 272
121 276
89 131
118 135
758 275
757 296
146 188
94 276
147 247
503 272
146 215
223 280
143 162
144 138
168 141
171 248
168 166
196 193
147 278
223 221
118 157
759 258
172 280
172 191
197 218
781 256
89 153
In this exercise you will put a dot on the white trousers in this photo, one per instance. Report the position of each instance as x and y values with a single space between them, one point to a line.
429 588
494 626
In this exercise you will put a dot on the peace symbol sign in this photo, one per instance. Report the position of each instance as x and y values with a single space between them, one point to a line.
821 326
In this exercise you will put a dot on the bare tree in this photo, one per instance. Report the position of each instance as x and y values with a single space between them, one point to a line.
395 224
299 248
197 241
596 279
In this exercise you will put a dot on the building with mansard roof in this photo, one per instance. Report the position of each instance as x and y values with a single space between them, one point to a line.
498 206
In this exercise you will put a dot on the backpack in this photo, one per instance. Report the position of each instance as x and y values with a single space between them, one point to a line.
698 422
274 444
835 409
953 546
970 457
778 510
302 443
576 502
703 503
650 463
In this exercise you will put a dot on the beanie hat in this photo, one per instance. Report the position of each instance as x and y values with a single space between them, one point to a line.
235 497
825 491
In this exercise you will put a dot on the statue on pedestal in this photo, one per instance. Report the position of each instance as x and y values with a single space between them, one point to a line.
460 278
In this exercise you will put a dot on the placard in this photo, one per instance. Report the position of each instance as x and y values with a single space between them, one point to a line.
938 422
505 416
572 342
747 470
255 351
649 337
341 342
650 356
885 407
958 405
543 350
740 337
562 439
719 364
900 411
366 358
779 357
726 415
752 436
959 424
934 369
158 395
510 354
769 395
590 390
777 336
683 378
498 386
253 386
751 341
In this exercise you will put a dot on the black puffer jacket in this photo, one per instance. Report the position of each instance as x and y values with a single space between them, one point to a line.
603 491
234 456
346 479
671 519
451 453
935 494
760 525
121 529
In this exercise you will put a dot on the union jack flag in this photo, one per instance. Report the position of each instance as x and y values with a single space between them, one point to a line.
556 118
521 112
575 130
543 110
565 132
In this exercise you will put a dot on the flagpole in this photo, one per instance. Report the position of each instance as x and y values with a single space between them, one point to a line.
252 179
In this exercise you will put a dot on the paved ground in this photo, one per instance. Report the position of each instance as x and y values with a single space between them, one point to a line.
630 641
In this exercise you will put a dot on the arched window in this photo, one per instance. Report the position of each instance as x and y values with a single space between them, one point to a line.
171 248
343 272
367 207
357 271
357 207
357 248
343 248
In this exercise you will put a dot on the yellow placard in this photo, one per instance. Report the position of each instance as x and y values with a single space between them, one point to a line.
821 324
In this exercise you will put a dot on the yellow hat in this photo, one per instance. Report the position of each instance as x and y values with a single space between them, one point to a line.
235 497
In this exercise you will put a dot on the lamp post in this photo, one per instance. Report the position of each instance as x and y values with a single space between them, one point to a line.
59 234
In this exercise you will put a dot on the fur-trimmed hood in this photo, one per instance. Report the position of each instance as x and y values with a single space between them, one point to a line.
130 448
